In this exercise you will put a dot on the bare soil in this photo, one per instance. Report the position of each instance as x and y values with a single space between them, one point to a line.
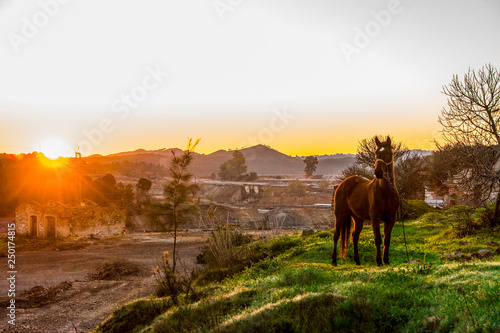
73 285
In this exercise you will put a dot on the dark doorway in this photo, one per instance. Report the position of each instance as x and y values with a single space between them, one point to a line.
33 226
51 226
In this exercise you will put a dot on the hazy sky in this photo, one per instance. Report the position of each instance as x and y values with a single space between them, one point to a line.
305 77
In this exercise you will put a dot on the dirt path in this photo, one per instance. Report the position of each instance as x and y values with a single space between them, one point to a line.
55 290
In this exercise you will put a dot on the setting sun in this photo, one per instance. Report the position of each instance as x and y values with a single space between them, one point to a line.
54 148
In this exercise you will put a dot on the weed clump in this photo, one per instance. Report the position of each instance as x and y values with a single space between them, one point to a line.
134 314
413 209
463 220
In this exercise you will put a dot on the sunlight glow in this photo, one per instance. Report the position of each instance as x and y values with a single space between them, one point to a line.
54 148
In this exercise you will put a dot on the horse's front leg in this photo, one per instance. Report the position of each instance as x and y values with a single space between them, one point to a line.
378 238
387 237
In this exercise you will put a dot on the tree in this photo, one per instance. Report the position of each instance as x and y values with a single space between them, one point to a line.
473 112
471 127
232 169
470 168
143 186
125 195
355 170
410 168
178 204
104 190
311 163
365 154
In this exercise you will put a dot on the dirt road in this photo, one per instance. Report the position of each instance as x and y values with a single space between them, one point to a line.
64 287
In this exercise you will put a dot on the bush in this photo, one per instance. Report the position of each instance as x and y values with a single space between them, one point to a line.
137 313
413 209
323 234
282 244
170 283
464 220
297 188
221 249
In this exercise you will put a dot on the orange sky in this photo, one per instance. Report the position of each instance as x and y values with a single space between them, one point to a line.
302 77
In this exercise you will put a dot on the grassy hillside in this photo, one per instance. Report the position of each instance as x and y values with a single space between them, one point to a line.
291 287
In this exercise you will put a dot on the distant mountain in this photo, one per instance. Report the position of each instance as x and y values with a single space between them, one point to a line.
161 156
267 161
260 159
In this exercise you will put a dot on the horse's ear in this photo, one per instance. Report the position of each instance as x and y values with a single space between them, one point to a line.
388 140
377 141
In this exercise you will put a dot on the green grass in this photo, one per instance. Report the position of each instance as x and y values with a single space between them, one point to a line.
295 289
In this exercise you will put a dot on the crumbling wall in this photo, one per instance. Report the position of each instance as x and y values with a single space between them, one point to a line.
68 220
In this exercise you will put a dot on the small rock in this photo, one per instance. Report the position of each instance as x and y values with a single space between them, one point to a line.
307 232
452 256
413 262
475 255
463 243
497 252
485 253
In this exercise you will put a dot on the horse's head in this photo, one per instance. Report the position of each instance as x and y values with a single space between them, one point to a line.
383 157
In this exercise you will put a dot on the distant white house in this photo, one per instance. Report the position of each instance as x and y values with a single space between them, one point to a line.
434 200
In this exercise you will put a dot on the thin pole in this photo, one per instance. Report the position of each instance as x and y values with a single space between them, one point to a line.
404 234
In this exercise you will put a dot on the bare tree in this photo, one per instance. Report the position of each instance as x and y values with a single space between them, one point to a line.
365 154
410 168
473 116
471 125
471 168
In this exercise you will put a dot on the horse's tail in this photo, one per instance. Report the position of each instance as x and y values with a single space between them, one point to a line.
345 235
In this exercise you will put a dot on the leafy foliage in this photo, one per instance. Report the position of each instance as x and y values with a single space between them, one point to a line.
311 163
465 220
296 187
233 168
413 209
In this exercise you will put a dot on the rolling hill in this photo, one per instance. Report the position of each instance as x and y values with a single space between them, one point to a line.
260 159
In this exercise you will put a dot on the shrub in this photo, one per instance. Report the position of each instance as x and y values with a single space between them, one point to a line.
282 244
464 220
129 316
413 209
323 234
297 188
169 282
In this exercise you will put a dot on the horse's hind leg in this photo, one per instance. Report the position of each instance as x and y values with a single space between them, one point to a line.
336 235
339 220
358 226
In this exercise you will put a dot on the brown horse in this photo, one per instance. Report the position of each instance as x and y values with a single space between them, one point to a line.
360 199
